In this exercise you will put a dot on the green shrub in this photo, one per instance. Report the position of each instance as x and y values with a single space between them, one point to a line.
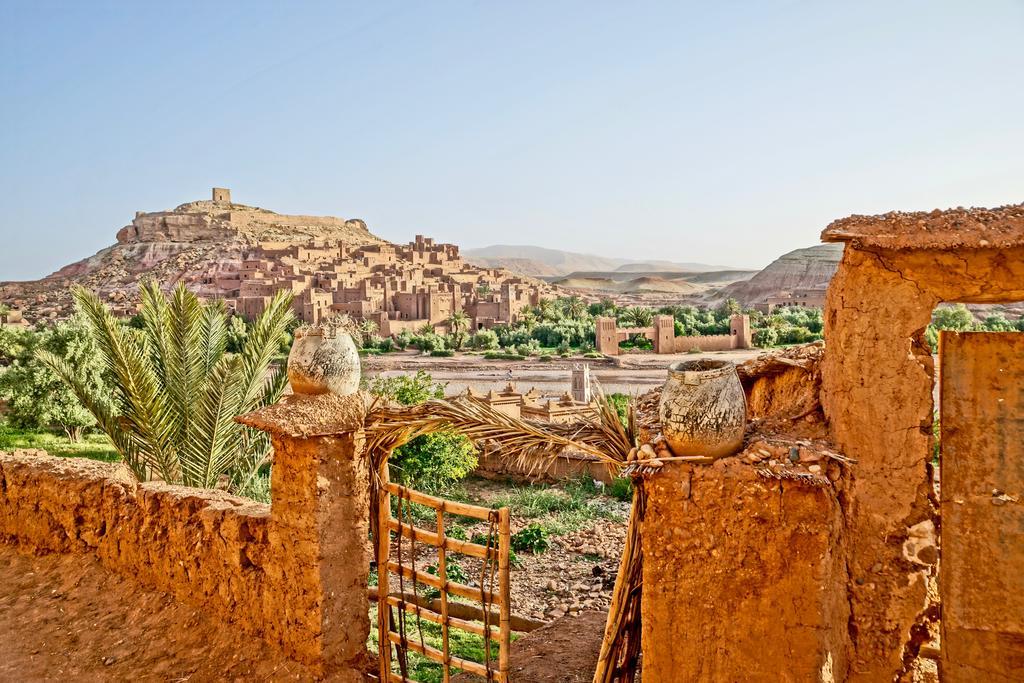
593 354
531 348
533 539
484 340
546 358
695 349
433 462
409 390
442 353
503 355
621 488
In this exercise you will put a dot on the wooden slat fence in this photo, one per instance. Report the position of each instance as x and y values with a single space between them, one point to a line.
495 570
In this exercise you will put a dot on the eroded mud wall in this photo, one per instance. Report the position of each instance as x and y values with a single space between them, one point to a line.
742 577
982 583
877 381
204 547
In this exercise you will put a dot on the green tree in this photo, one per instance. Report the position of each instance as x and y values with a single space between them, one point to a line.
458 323
434 461
174 388
367 329
547 310
636 316
953 318
237 333
37 398
575 308
484 340
728 308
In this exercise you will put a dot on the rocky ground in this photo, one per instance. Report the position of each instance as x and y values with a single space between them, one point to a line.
576 573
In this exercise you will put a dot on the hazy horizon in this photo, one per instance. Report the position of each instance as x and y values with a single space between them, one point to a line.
722 134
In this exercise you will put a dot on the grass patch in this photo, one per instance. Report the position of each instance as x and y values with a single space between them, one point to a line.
557 510
460 643
93 446
502 355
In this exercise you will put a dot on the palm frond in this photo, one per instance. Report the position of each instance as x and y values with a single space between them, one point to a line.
214 446
142 403
260 347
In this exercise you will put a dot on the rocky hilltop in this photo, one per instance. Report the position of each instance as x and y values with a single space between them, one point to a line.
194 243
808 268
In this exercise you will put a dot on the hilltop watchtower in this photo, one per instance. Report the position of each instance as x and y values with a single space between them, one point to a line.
222 194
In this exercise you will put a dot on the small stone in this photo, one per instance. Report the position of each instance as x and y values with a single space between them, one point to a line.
794 454
814 469
552 585
809 456
753 458
833 472
109 661
998 501
877 568
928 554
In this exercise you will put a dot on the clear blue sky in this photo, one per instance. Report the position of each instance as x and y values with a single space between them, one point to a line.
718 132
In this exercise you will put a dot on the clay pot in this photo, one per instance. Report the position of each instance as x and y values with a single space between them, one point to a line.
323 362
703 409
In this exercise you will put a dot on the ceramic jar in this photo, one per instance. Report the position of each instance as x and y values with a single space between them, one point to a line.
703 409
323 362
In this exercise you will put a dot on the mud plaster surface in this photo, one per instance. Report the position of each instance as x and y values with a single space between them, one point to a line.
877 381
67 618
263 574
741 578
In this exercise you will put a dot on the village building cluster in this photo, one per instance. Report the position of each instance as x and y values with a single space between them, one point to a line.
400 288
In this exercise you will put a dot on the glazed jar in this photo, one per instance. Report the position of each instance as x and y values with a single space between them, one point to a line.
703 409
323 361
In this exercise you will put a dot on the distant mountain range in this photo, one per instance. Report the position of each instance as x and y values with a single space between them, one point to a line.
541 262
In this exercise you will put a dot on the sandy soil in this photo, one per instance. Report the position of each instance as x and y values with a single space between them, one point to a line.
564 651
66 618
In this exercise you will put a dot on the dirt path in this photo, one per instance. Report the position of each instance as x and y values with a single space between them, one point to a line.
564 651
66 618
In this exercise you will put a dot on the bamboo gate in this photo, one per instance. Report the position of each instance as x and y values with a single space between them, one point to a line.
493 589
607 437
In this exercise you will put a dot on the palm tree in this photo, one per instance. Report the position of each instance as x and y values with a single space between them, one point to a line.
458 323
636 316
175 389
546 309
367 328
575 307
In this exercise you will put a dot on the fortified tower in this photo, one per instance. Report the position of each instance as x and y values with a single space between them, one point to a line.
222 194
581 383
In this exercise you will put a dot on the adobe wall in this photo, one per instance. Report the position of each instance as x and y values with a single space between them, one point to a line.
982 478
714 342
294 573
541 467
877 381
205 547
744 577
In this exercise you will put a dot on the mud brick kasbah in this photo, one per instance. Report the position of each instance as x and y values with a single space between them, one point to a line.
807 555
